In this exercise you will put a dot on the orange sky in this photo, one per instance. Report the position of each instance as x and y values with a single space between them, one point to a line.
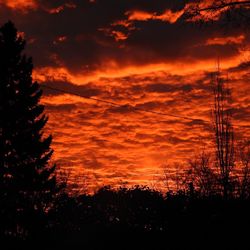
143 55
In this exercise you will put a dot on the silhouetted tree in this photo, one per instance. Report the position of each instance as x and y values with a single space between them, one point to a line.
224 133
244 174
174 178
27 180
202 175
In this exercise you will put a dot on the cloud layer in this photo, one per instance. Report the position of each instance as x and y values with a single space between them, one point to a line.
142 55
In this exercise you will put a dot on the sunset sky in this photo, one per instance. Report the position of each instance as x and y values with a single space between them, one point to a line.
139 54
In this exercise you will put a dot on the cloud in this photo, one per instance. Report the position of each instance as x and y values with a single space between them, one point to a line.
91 161
167 16
87 90
226 40
164 88
60 107
141 55
20 5
125 34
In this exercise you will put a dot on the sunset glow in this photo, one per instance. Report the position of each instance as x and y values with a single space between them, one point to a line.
137 56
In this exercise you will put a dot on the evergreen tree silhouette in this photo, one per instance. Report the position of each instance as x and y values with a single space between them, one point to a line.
27 180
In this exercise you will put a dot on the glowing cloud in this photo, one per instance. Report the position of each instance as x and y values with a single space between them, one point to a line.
167 16
21 5
61 8
170 16
144 56
138 15
226 40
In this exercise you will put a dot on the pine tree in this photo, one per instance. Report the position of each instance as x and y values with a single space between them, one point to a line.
27 180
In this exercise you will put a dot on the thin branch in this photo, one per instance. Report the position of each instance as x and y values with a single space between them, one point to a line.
224 5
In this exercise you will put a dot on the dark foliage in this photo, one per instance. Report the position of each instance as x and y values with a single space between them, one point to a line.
27 181
141 218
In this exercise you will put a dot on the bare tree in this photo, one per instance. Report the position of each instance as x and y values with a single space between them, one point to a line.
223 131
244 174
202 175
173 177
